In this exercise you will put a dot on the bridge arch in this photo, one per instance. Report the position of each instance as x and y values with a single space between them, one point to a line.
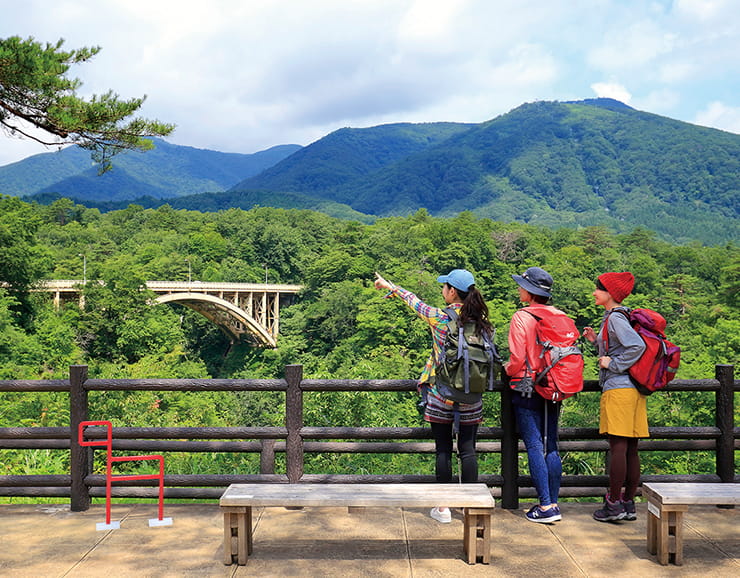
244 311
234 321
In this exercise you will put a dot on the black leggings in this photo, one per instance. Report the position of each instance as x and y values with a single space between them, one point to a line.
465 447
624 467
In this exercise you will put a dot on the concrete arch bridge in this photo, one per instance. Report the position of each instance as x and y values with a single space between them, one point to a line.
244 311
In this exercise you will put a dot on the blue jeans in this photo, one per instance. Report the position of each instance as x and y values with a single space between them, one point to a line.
545 468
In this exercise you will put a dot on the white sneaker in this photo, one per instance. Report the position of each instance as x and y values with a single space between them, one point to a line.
444 517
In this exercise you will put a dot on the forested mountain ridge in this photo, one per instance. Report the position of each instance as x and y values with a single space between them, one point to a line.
572 163
349 155
575 164
167 171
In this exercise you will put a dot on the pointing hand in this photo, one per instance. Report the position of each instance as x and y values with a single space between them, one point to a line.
381 283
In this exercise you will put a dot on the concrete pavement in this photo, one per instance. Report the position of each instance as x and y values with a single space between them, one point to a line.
49 540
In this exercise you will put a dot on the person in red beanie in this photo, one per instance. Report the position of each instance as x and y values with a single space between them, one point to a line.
623 415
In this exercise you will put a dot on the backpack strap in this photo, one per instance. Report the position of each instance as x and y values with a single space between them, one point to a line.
489 345
606 326
462 346
462 351
542 353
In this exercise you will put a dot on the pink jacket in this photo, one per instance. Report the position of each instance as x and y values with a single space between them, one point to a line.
523 340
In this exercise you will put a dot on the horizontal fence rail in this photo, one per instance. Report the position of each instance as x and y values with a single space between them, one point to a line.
294 440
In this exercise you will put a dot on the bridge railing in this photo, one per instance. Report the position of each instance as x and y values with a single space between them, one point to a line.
295 439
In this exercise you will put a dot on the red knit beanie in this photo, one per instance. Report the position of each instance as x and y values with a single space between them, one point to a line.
619 285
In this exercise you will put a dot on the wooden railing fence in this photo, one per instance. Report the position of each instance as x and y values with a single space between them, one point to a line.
295 439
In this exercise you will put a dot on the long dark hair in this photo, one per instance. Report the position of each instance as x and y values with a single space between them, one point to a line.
474 309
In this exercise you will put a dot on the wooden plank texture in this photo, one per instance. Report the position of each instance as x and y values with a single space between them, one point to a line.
367 495
712 494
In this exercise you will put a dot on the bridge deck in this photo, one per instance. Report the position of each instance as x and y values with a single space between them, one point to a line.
241 310
49 540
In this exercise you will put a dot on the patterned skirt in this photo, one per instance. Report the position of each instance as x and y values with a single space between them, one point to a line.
441 410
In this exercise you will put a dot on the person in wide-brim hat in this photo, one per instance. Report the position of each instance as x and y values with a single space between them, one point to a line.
537 418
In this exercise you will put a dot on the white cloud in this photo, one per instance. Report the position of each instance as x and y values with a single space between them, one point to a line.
244 75
634 46
661 101
719 115
677 71
427 22
704 9
612 90
527 65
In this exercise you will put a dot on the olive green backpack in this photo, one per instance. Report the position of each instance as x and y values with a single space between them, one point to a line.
469 364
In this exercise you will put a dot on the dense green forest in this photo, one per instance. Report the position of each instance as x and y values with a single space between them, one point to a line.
578 164
338 327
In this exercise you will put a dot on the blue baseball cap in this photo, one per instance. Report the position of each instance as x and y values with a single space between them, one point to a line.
461 279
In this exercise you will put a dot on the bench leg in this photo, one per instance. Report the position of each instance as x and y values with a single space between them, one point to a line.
652 533
238 541
663 539
677 520
227 539
477 534
665 532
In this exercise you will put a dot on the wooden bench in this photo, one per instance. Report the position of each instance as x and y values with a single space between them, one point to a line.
666 505
475 499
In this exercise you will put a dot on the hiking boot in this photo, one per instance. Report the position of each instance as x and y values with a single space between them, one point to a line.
630 512
444 517
537 514
610 511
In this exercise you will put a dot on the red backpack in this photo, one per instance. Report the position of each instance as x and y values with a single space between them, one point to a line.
659 362
559 373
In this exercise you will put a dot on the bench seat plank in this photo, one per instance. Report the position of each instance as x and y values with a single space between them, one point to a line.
359 495
689 493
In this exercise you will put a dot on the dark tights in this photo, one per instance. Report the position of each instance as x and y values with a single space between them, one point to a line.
624 467
465 447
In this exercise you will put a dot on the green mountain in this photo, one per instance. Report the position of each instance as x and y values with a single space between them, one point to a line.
574 164
167 171
593 162
348 155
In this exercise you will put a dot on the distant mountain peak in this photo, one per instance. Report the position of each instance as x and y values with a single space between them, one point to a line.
166 171
603 102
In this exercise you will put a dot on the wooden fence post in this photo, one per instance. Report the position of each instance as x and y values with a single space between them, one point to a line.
509 450
267 457
79 465
725 397
294 422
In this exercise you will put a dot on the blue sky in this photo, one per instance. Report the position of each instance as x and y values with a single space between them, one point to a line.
245 75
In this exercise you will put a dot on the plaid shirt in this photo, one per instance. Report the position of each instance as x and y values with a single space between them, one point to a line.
437 320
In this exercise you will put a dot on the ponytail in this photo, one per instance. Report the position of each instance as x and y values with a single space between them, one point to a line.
474 309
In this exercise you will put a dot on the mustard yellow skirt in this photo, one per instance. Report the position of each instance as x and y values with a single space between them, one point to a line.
624 413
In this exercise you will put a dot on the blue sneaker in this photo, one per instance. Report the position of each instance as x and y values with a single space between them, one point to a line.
537 514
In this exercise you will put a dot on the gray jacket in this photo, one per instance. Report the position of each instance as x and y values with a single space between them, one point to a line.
625 348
